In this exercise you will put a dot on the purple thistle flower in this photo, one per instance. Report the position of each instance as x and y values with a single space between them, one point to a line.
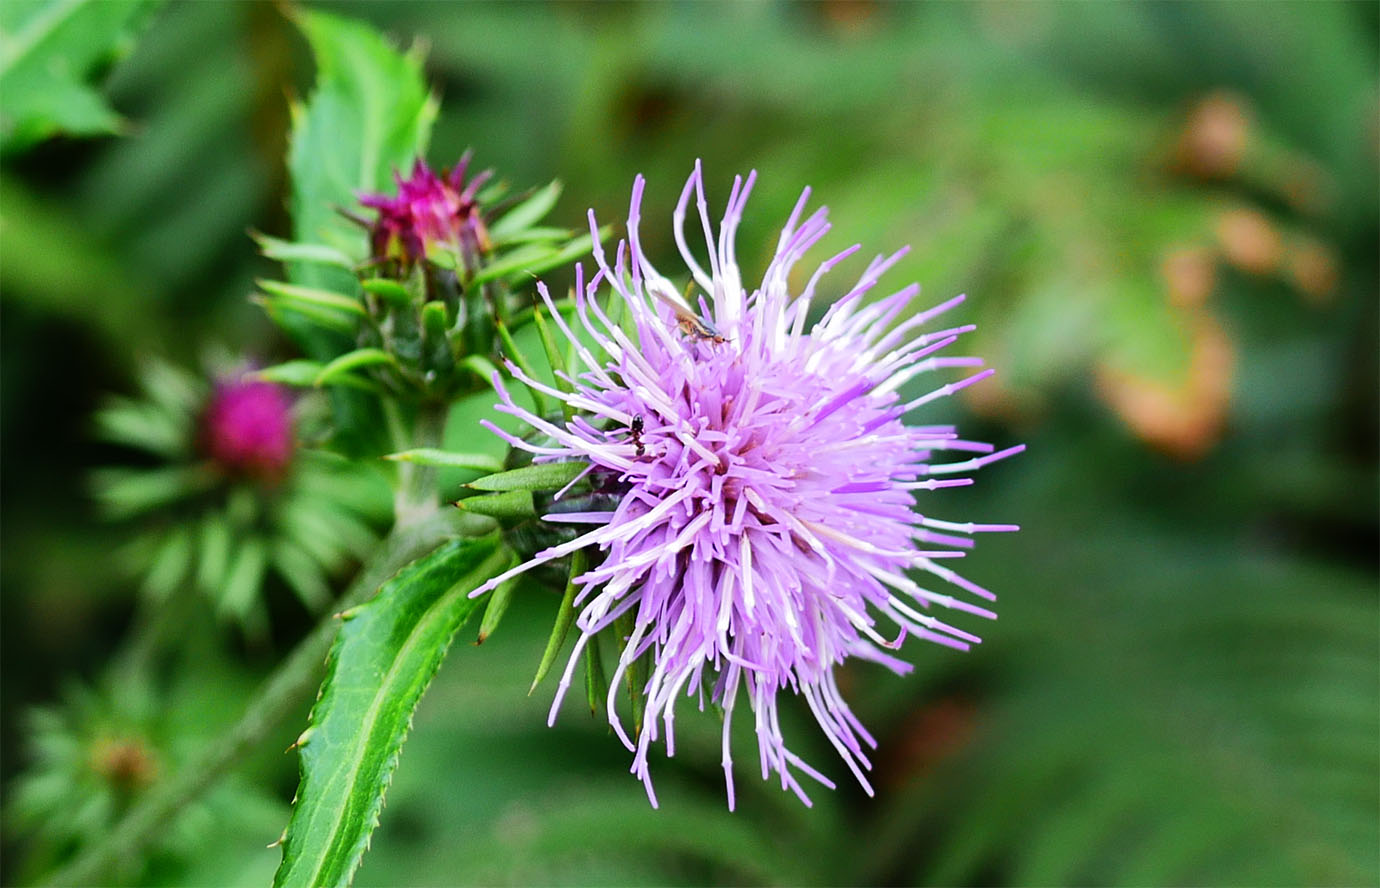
429 211
768 520
246 429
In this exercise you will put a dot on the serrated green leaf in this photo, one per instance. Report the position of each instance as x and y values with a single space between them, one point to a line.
369 114
427 456
345 365
545 476
525 214
386 654
48 51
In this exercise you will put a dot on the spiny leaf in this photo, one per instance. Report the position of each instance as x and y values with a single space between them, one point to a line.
426 456
389 291
345 365
525 214
569 253
499 600
299 372
377 97
537 233
480 366
50 49
386 654
366 88
519 358
565 618
295 296
596 682
546 476
533 259
305 320
511 504
290 251
557 361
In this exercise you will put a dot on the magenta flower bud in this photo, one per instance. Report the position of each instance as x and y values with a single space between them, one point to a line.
246 429
429 212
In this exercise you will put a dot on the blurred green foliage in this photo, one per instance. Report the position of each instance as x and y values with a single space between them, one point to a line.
1166 218
48 48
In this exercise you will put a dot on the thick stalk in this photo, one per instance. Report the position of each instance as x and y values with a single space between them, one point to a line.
282 693
415 498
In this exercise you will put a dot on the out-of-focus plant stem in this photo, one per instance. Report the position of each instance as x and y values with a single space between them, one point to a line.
282 693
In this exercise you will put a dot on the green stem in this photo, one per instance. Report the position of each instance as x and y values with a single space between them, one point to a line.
415 497
280 695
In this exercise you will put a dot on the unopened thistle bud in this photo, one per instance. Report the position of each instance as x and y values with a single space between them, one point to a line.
430 214
246 429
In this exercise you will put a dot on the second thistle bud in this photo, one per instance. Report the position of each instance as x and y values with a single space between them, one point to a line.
246 429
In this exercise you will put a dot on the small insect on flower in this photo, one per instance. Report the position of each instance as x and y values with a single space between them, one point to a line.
772 528
689 322
635 435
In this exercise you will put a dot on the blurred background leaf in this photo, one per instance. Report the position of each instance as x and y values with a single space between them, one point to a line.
49 50
1165 216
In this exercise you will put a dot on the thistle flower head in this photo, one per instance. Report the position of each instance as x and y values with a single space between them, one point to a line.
246 429
430 211
768 528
